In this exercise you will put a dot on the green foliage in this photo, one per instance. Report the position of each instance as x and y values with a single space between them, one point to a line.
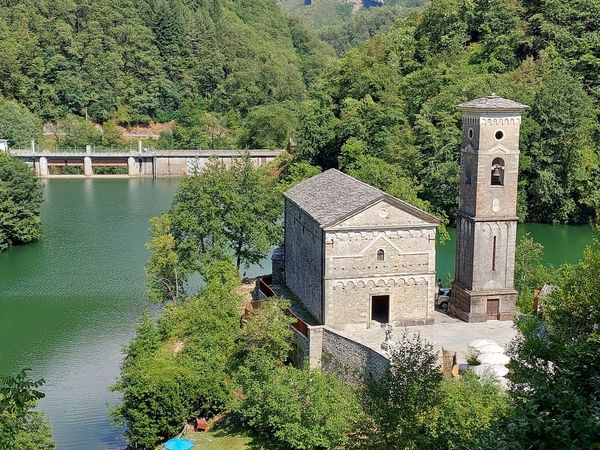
18 124
268 330
559 173
21 428
399 403
165 271
136 62
79 133
556 394
112 136
222 211
530 273
21 195
397 94
362 26
293 172
181 367
467 411
298 408
269 126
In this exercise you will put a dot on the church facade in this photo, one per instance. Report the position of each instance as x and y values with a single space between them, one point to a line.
355 255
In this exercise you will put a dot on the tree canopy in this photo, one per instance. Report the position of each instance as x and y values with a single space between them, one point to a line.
21 196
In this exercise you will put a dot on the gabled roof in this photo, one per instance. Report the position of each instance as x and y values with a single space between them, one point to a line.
493 102
332 195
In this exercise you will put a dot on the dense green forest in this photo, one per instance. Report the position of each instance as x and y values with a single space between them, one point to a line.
140 61
387 111
257 74
338 25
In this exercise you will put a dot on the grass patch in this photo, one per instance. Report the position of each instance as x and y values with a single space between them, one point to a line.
216 440
226 433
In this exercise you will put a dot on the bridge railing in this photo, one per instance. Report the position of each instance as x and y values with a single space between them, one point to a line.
144 152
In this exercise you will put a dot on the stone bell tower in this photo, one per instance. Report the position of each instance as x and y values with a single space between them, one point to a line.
486 228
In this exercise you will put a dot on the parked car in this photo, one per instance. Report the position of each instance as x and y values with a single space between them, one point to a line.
442 298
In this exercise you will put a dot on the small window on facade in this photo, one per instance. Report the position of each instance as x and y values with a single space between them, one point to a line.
499 135
380 255
468 175
470 133
497 172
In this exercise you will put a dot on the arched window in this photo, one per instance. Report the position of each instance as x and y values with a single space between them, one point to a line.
380 255
497 172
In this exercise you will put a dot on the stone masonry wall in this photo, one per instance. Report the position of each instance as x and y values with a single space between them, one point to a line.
350 360
303 258
336 354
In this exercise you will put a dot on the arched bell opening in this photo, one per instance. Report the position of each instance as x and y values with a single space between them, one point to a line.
497 178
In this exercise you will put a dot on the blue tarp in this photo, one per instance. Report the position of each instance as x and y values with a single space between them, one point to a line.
178 444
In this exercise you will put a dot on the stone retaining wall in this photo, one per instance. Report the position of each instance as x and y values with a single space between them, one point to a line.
329 350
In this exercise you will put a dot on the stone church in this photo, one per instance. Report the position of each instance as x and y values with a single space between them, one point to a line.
355 255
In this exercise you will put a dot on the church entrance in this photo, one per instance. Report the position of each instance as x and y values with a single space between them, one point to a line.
380 308
493 309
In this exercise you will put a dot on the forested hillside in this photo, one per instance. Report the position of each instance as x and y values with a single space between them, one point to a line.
140 61
387 113
243 73
338 24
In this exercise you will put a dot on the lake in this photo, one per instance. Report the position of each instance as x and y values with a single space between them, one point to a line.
69 303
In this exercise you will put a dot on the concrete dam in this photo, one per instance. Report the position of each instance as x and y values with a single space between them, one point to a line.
154 163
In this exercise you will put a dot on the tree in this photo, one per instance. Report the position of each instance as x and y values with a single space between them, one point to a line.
18 124
165 271
21 428
399 403
558 148
296 408
111 135
182 366
251 214
226 211
268 330
530 273
79 132
21 195
467 413
268 126
556 396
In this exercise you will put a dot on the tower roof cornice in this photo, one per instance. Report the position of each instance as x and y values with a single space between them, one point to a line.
492 103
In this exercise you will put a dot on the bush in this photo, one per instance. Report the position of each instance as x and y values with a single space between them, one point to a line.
400 402
21 196
466 412
21 428
299 408
268 330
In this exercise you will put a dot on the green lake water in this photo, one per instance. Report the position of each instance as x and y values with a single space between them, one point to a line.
69 303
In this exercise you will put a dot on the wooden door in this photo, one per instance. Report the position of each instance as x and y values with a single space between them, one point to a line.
493 309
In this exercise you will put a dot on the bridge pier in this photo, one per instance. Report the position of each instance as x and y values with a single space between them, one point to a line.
88 170
133 167
43 167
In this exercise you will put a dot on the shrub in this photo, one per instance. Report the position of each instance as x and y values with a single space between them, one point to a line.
21 196
299 408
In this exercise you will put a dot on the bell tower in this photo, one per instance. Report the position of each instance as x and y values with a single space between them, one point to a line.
486 228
